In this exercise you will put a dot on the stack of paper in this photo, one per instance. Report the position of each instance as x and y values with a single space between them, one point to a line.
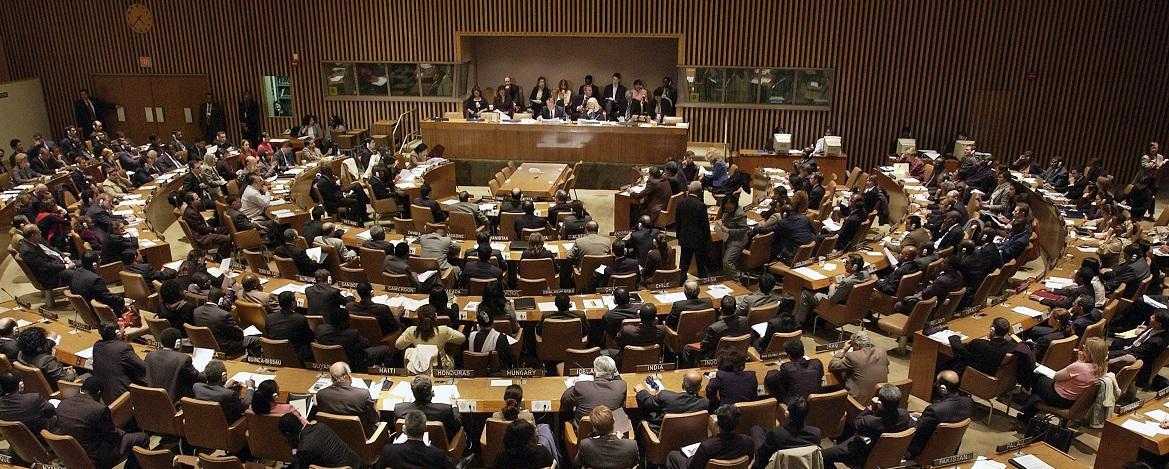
594 304
717 291
200 357
446 393
810 273
315 254
943 336
571 380
292 287
669 298
1057 282
1027 311
364 235
547 306
256 378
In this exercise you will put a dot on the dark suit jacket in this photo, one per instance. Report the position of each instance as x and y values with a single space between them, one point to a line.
606 451
528 221
91 423
1014 246
871 427
115 245
584 395
436 412
90 286
682 306
304 264
323 298
172 371
725 445
387 321
953 408
319 445
668 402
730 387
8 348
946 283
726 326
1127 275
413 454
115 362
349 339
983 354
554 113
435 208
790 233
84 117
215 123
229 336
480 270
292 327
342 399
46 268
889 283
656 194
799 377
196 222
641 241
952 237
781 438
640 335
229 401
1147 350
28 408
604 97
693 224
613 317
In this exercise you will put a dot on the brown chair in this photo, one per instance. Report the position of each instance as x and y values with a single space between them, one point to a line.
803 253
632 356
741 462
421 215
350 429
247 239
556 337
666 217
739 342
883 304
1126 376
34 381
1079 408
1060 353
251 314
1095 329
454 447
628 281
286 267
403 226
104 312
531 287
905 385
507 224
256 260
902 327
329 353
206 426
757 254
32 278
385 207
156 326
1158 364
983 291
465 224
493 186
540 269
206 461
853 310
491 440
83 309
987 387
754 413
827 245
670 276
828 412
691 326
779 338
946 309
138 290
579 358
889 449
109 272
201 337
22 442
481 363
583 276
155 411
162 459
677 432
372 261
280 350
264 438
945 441
68 450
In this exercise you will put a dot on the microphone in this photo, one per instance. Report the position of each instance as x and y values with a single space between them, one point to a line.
23 304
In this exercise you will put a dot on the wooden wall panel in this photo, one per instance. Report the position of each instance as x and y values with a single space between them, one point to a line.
1099 67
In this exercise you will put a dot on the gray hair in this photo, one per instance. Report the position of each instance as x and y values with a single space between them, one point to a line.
690 289
862 339
215 371
338 371
695 187
210 159
415 425
152 153
604 367
889 393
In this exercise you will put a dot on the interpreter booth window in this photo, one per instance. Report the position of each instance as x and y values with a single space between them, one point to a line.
436 79
813 87
339 79
704 85
403 79
742 86
777 85
372 79
277 96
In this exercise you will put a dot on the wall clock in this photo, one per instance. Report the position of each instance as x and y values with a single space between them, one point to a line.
139 18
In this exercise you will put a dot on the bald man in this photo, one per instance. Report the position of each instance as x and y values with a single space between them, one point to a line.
659 403
342 398
947 406
8 338
591 244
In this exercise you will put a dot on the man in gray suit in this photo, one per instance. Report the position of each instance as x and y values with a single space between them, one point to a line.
591 244
854 266
606 449
767 296
464 205
438 245
224 391
169 369
605 389
861 366
342 398
230 337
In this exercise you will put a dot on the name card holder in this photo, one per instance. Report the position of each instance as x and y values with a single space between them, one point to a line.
500 238
709 280
832 346
1124 409
400 289
383 371
267 272
952 460
1014 445
305 279
262 361
660 286
80 326
454 373
459 292
578 371
344 284
655 367
1162 393
317 366
524 373
566 291
707 362
44 313
772 356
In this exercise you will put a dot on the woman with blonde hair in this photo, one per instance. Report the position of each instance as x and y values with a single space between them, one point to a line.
593 110
1068 384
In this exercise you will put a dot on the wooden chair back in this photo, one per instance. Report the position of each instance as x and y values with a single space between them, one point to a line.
280 350
201 337
758 253
1060 353
154 411
206 426
22 442
827 412
34 380
68 450
889 449
329 353
264 438
945 441
691 324
632 356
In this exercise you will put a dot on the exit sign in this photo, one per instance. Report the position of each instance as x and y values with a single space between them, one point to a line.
145 62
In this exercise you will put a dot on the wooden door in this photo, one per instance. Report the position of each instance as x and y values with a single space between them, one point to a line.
179 96
132 92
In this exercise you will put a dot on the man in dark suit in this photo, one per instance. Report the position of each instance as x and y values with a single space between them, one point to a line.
605 448
624 262
8 346
1014 246
115 362
169 369
133 262
1056 175
336 331
838 292
646 333
528 219
948 406
423 392
211 118
879 418
691 303
322 297
588 83
816 192
377 239
551 111
480 268
305 265
793 435
791 231
342 398
224 391
87 284
730 323
267 229
315 444
693 230
101 212
86 419
414 452
659 403
907 264
1128 275
641 239
117 242
45 262
424 200
678 181
622 310
577 223
288 324
725 445
29 408
854 218
798 377
613 99
949 280
363 305
215 237
1149 343
230 337
984 355
87 109
562 205
951 233
249 118
656 195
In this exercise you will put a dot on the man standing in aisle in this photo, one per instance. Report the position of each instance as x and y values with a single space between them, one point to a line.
249 118
693 230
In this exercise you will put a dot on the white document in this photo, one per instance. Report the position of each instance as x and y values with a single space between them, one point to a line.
601 269
760 328
718 291
1152 302
892 258
86 354
1158 415
423 277
810 273
292 287
1045 371
594 304
446 393
1031 461
689 450
256 378
252 331
500 383
983 463
669 298
402 439
1057 282
1027 311
943 336
547 306
831 225
364 235
200 357
315 254
571 380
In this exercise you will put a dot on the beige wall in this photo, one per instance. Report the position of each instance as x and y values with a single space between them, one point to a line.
22 112
526 58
